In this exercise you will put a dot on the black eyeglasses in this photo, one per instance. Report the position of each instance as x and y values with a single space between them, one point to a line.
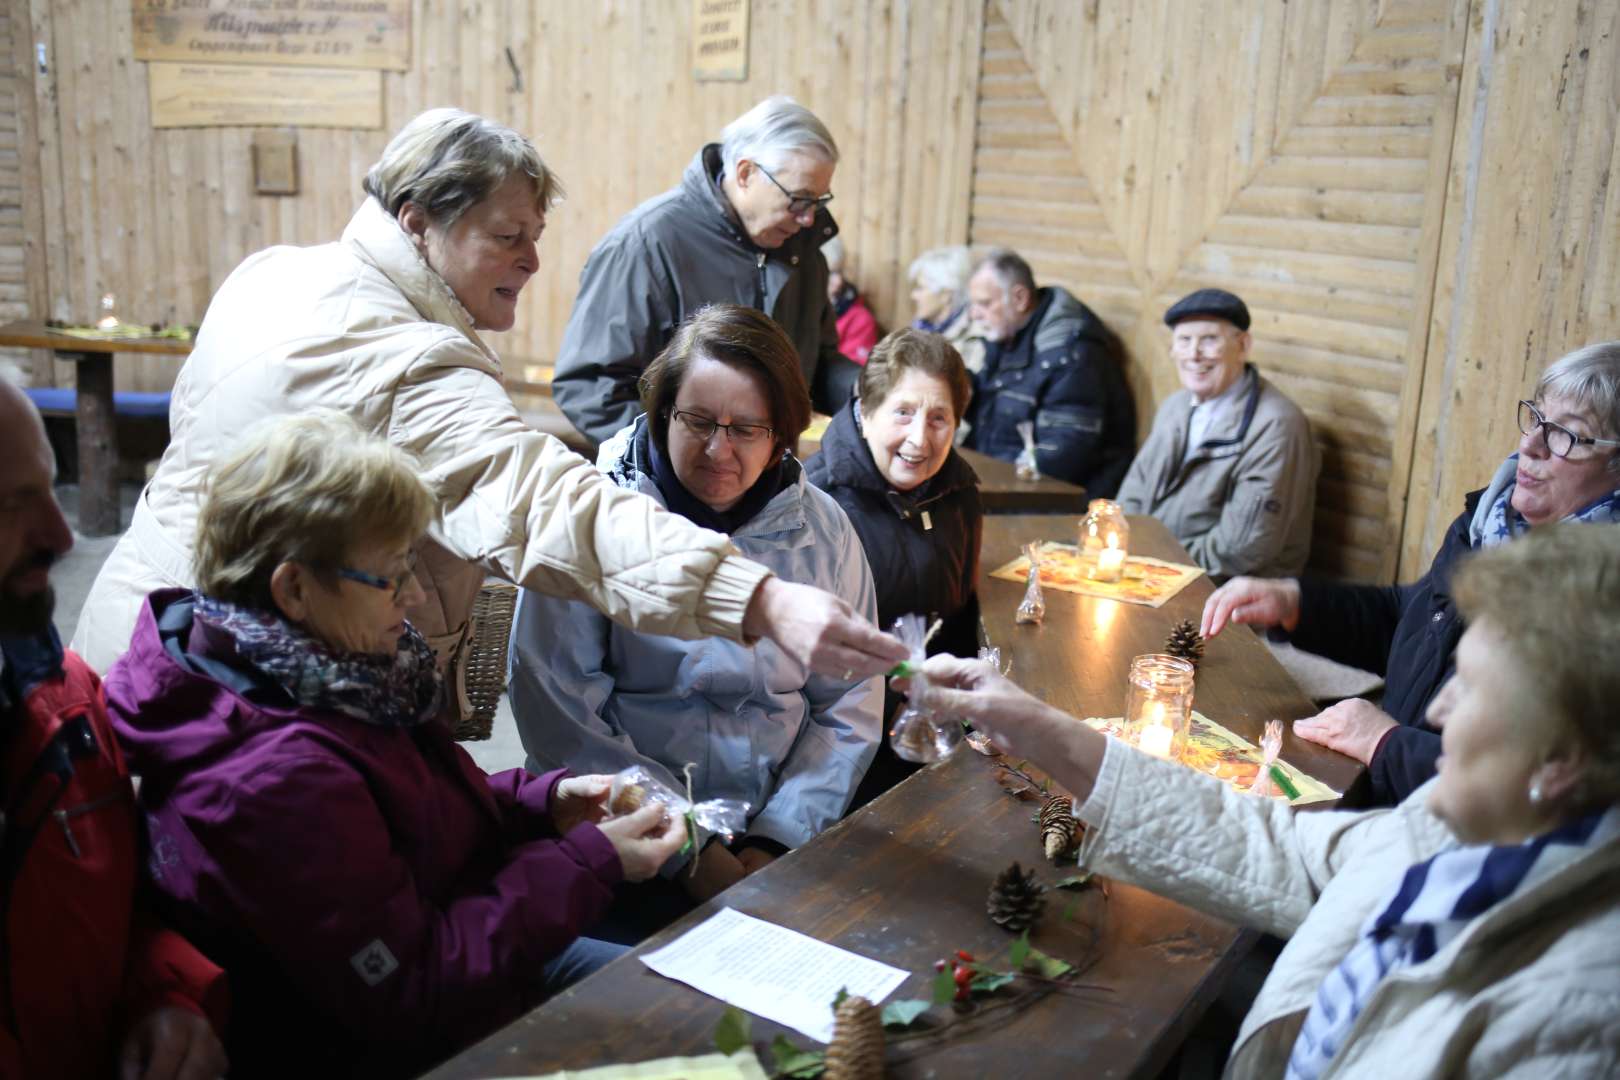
797 204
739 434
396 583
1558 439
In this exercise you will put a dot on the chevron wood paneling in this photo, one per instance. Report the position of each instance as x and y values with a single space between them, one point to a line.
1294 154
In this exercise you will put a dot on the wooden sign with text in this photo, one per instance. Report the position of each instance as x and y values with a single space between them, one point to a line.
719 40
244 95
313 33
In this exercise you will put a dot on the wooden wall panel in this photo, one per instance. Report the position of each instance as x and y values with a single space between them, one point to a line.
1530 263
1295 154
161 217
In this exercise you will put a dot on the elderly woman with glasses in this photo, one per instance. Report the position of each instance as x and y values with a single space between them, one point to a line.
1567 468
376 898
1474 930
384 325
722 406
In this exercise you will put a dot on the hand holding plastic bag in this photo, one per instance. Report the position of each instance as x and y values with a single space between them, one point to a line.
920 734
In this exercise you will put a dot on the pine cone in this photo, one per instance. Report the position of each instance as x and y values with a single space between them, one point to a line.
856 1050
1016 899
1186 642
1059 827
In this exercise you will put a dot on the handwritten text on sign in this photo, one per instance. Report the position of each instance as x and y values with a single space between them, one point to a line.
719 39
309 33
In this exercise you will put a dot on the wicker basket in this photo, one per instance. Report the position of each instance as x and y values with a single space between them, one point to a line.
479 676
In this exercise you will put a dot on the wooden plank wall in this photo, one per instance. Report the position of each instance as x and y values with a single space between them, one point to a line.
160 217
1295 154
1530 265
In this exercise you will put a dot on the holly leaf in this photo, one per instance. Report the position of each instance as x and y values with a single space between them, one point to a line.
944 988
794 1062
1019 951
838 998
1050 966
732 1033
991 982
1074 881
903 1013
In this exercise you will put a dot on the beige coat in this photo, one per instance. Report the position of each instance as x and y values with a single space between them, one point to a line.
1529 989
1243 500
364 326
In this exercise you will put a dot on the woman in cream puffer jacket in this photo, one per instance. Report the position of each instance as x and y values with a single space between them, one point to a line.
1473 930
382 326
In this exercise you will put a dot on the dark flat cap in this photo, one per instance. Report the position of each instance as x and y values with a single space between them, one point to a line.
1209 304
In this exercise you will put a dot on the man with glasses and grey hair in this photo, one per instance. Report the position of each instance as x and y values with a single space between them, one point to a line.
1566 468
744 226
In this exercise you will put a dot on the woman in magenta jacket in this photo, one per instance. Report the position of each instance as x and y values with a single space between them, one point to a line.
377 900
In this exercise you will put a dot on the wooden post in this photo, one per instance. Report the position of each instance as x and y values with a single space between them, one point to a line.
98 444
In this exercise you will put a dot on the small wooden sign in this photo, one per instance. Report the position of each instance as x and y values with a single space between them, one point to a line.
275 162
240 95
719 40
313 33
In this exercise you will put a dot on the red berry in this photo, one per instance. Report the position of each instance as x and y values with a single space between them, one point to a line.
964 976
939 965
963 954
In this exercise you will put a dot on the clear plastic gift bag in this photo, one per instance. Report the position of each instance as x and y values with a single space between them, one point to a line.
1024 466
635 787
920 734
978 739
1270 747
1032 609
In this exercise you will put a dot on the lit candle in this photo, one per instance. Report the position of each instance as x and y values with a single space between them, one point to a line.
1155 740
1110 560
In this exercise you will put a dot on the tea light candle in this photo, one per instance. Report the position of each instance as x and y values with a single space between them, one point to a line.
1110 561
1155 740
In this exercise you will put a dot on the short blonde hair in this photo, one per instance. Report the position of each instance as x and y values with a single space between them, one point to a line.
446 161
305 489
1553 596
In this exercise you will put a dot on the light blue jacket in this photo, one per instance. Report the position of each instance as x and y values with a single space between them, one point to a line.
596 697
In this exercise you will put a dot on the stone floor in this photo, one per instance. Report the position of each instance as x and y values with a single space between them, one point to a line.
74 575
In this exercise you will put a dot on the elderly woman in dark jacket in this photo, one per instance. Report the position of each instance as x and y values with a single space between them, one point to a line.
888 459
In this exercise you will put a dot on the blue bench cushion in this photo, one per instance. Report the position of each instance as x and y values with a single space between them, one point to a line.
60 400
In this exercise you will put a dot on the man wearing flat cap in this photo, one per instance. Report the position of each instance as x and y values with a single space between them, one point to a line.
1230 466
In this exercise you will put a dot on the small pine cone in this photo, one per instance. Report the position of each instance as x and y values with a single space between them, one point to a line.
1186 642
856 1050
1059 827
1016 899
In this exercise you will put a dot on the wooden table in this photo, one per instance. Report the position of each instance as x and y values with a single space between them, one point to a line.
1000 489
904 880
97 436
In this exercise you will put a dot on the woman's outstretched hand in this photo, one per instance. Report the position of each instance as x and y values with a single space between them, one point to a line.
820 630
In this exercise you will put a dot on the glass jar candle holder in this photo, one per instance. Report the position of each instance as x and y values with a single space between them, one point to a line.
1105 538
1158 706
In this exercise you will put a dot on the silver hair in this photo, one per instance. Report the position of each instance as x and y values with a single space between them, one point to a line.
1591 378
1009 269
833 252
446 161
943 269
773 129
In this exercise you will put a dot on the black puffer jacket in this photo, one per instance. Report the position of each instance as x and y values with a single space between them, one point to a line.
1062 370
923 546
1408 634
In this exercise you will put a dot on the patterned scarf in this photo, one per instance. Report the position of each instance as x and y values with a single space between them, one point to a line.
1435 902
1495 520
402 690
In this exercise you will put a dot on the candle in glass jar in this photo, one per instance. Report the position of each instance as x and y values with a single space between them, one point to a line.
1110 561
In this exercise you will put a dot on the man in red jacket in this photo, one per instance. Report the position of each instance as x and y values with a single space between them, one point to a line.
90 984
